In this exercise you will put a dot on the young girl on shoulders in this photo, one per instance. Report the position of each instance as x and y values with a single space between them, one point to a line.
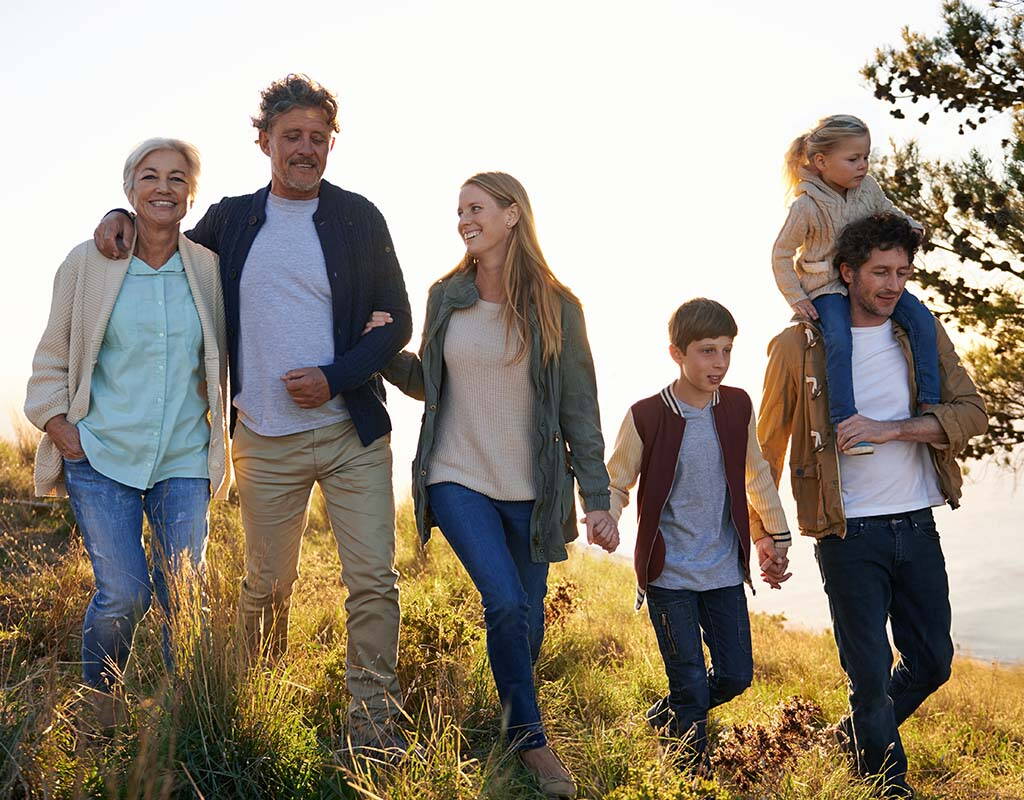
827 172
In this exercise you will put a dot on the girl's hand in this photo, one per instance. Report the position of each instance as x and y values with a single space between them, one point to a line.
602 530
806 309
65 436
378 319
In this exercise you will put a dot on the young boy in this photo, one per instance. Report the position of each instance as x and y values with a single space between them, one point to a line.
695 524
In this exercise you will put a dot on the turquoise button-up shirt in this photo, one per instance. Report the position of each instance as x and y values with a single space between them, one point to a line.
147 417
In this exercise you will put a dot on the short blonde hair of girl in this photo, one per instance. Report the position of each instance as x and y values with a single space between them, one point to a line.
822 138
188 151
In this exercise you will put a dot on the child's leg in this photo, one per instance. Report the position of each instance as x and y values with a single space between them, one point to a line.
683 712
834 318
726 625
915 318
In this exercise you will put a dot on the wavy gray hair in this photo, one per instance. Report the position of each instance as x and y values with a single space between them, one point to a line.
188 152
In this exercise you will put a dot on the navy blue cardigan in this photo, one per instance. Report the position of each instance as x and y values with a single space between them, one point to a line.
364 276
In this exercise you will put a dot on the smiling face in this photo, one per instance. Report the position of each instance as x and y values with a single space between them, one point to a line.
876 286
845 166
160 188
297 142
485 227
702 367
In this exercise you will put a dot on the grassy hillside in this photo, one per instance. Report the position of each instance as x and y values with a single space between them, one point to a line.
219 732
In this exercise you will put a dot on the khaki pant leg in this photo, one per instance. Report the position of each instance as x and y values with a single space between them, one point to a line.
274 475
356 483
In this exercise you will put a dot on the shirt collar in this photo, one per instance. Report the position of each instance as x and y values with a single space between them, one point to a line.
140 267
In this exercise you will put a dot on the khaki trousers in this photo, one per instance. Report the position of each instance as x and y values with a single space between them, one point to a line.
275 477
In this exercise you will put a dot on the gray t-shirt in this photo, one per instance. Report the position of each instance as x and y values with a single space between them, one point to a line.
701 543
285 321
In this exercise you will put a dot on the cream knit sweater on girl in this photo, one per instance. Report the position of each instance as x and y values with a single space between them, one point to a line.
485 424
816 218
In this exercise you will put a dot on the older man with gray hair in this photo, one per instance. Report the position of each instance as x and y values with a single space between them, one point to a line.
304 265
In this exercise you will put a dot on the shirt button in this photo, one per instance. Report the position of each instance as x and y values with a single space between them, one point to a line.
161 335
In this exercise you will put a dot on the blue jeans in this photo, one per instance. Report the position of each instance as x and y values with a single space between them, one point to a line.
888 568
911 314
109 515
680 616
492 540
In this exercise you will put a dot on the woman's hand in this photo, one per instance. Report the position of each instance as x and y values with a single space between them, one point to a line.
65 436
378 319
602 530
806 309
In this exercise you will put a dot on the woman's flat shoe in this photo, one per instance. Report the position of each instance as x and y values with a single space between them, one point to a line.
553 785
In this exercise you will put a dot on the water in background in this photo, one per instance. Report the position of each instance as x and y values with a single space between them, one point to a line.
983 542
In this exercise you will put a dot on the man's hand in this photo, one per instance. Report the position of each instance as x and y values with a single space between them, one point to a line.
602 530
307 386
859 428
114 234
805 309
65 436
378 319
773 562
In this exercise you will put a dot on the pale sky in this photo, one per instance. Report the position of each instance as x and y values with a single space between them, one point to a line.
650 136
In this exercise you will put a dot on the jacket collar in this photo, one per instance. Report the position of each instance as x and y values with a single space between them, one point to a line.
329 198
460 291
813 185
669 399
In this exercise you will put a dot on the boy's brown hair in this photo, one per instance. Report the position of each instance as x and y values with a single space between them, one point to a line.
698 319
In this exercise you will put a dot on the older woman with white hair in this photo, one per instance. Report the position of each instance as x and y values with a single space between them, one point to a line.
128 384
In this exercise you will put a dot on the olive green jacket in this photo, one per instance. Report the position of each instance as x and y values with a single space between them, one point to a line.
567 439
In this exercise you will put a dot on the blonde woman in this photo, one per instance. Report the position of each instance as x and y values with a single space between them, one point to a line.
128 385
511 416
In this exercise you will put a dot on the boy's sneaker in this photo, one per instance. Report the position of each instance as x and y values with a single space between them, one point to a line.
860 449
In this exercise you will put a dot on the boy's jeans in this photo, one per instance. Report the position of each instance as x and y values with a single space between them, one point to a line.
679 617
888 568
492 540
109 515
911 314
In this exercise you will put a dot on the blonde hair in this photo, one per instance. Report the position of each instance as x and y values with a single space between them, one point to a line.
822 138
529 283
188 151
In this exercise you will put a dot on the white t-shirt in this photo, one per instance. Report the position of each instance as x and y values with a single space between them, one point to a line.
898 476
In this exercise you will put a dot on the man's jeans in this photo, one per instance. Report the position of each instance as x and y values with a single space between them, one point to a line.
911 314
492 540
679 617
275 477
109 515
888 567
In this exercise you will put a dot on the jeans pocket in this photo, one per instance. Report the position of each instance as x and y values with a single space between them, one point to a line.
666 629
926 526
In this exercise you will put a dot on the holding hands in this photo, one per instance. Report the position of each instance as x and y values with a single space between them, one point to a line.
602 530
773 562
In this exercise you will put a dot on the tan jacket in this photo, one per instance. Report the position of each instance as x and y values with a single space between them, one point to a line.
795 407
816 218
84 292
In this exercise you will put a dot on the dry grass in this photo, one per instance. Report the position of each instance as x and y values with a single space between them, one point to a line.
219 731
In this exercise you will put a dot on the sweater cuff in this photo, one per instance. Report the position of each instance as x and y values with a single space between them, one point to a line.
782 538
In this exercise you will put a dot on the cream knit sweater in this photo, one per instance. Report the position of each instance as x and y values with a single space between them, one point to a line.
84 292
485 423
816 218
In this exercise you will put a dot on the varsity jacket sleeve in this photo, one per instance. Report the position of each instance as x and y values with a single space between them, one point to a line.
793 234
624 464
766 515
578 412
372 352
47 394
778 406
961 413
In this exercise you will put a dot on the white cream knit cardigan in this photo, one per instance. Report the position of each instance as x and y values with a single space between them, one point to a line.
816 218
84 292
